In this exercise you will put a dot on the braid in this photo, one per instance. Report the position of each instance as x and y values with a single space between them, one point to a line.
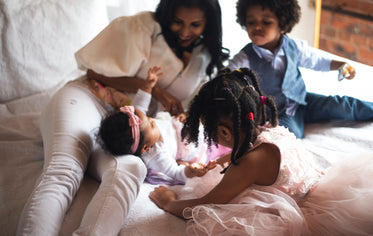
229 97
236 119
191 125
270 102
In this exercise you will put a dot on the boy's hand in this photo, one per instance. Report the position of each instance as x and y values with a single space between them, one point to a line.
345 70
348 71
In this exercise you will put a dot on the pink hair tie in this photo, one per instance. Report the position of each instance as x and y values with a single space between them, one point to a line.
134 121
263 100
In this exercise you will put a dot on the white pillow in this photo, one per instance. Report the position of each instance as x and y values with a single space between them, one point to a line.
39 39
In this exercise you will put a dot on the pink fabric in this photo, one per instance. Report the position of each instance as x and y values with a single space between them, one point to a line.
263 99
303 200
191 153
134 121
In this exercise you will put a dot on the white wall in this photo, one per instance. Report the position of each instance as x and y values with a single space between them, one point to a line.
305 28
129 7
234 37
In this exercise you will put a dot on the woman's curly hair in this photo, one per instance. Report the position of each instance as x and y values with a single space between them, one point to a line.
288 12
230 96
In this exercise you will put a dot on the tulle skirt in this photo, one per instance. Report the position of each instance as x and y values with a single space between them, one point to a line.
340 204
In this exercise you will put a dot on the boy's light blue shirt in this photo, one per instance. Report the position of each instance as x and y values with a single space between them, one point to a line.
308 57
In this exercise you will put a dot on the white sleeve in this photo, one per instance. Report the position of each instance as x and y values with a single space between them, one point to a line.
238 61
312 58
162 162
142 100
121 48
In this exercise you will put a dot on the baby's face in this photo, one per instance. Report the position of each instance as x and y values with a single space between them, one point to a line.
149 128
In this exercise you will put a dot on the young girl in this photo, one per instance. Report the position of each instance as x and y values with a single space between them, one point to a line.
269 186
276 60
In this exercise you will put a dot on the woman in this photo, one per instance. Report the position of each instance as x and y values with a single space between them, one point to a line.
123 52
182 37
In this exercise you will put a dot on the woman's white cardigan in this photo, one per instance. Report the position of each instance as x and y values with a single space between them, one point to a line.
130 45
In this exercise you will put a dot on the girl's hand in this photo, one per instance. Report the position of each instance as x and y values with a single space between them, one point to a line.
224 160
211 165
161 196
153 74
172 104
198 169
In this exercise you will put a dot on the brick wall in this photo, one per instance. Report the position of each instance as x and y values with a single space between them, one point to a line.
347 29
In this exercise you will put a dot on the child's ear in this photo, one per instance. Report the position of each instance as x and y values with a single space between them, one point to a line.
146 148
225 133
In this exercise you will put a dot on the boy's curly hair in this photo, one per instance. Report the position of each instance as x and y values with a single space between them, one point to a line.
288 12
229 96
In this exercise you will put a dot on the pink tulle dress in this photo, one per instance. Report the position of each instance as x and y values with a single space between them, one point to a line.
303 200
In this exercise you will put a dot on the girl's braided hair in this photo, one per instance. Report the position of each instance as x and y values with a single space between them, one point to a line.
230 96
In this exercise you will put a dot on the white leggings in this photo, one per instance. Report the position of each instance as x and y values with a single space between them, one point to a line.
68 127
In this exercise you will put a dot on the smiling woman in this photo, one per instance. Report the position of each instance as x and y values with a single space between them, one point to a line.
188 25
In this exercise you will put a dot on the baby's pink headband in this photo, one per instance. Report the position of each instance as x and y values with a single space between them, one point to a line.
134 121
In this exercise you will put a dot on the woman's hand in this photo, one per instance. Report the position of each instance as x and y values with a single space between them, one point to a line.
181 117
162 196
172 104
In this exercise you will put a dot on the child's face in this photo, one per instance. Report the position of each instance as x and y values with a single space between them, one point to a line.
149 128
188 25
263 28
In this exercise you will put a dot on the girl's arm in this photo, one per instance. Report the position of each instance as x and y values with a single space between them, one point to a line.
260 166
224 160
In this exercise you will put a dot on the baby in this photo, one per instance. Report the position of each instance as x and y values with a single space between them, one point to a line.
157 141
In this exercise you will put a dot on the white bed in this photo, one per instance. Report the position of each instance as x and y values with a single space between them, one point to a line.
37 59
